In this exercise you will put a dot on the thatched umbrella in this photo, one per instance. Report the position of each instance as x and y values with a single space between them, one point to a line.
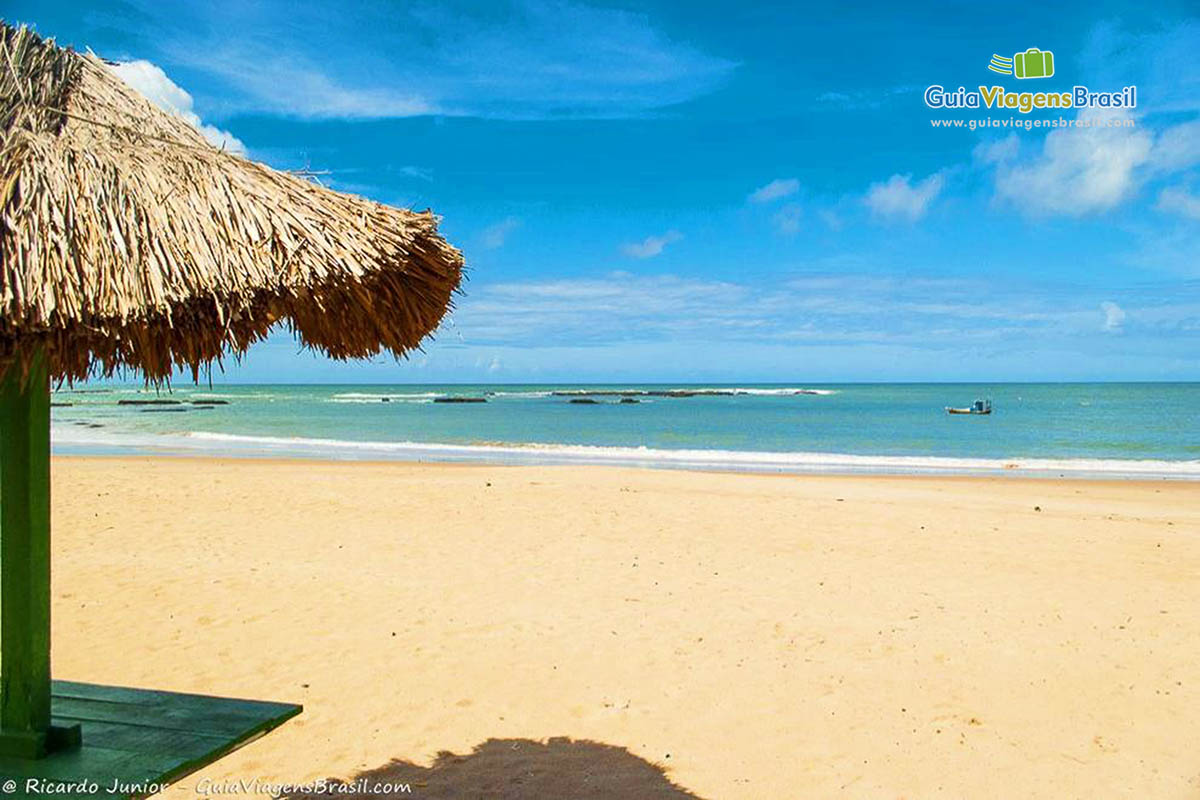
128 242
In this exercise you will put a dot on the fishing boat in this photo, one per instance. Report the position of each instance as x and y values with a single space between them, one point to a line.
978 407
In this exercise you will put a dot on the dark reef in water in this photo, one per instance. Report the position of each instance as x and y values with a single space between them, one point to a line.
460 399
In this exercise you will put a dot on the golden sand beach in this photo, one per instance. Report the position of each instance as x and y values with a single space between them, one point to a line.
576 631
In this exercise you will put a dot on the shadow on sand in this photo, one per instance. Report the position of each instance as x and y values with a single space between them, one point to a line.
523 769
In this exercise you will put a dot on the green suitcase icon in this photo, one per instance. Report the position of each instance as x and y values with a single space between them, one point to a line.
1033 63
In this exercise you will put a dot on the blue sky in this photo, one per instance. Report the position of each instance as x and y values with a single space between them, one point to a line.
721 192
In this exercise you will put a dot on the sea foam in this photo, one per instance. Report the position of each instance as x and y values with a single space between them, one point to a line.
69 439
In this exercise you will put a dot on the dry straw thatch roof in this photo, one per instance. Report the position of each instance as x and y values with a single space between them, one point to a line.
128 241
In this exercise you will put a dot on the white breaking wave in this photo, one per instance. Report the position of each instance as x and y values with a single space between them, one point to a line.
220 396
78 439
410 397
546 393
399 397
377 401
717 391
769 392
369 396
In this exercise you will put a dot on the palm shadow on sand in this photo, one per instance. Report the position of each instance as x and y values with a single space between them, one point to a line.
524 769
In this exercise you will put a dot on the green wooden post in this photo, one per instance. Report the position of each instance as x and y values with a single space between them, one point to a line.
25 728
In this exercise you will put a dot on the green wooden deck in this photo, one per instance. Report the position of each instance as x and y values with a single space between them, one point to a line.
137 738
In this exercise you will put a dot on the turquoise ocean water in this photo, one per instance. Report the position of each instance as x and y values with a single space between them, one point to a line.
1080 429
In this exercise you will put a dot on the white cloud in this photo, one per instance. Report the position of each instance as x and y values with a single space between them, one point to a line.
1085 170
998 150
417 172
864 98
1080 170
529 59
621 307
651 246
496 235
153 83
1177 147
1114 316
606 308
1159 57
899 198
490 365
831 219
787 220
1179 200
1094 169
833 97
780 187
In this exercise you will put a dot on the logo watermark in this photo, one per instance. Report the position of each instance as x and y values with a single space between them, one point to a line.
1026 123
999 98
50 787
1032 63
206 788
